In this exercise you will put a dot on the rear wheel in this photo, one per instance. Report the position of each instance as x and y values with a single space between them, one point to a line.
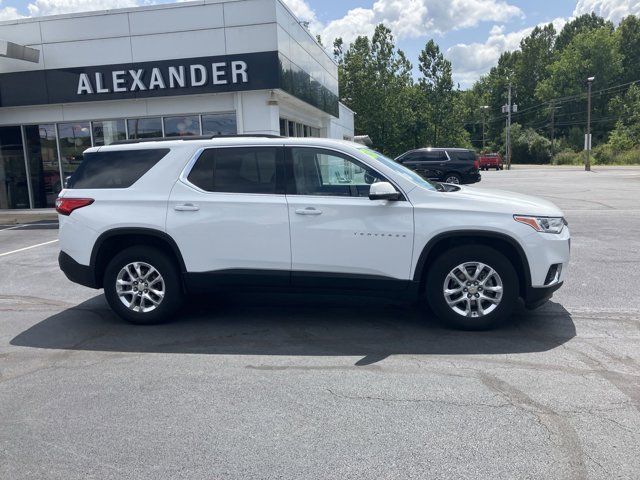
472 287
452 178
142 285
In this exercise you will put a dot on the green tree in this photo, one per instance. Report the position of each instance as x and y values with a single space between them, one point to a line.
530 68
590 53
375 81
626 133
629 40
583 23
442 106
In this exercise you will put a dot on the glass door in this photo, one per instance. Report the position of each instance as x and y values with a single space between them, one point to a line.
44 168
14 192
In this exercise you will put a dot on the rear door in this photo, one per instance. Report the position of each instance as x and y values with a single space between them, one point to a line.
340 238
228 215
428 164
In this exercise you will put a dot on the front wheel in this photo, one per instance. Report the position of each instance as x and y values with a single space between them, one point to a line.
142 285
472 287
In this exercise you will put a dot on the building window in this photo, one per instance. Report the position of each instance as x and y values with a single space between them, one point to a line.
294 129
44 168
74 139
107 132
144 127
14 192
182 126
219 124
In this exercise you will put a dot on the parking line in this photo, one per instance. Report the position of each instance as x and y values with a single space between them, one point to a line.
25 225
28 248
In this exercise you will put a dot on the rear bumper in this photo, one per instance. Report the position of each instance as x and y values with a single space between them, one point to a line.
471 177
76 272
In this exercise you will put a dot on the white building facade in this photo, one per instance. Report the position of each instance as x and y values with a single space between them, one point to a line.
208 67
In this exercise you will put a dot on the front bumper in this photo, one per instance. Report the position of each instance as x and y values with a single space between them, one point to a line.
76 272
535 297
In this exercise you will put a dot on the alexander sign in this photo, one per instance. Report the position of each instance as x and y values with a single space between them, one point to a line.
251 71
196 75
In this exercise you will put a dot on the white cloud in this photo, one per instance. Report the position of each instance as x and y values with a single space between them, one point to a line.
471 60
614 10
407 18
55 7
8 13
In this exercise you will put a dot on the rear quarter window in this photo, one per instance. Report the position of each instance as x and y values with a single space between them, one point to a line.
114 168
462 155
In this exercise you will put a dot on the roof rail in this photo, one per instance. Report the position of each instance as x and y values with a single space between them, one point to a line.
192 137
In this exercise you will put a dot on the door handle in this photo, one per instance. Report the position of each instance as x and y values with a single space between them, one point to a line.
308 211
186 207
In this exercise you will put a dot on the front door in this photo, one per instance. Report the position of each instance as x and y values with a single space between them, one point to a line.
338 236
229 216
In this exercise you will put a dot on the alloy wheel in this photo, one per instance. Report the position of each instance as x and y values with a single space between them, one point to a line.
473 289
140 287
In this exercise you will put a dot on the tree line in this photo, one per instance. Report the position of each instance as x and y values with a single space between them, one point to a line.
547 74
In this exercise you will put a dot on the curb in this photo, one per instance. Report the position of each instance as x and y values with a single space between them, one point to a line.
19 217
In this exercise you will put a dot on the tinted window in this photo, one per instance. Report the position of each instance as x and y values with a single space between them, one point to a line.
182 126
410 157
433 156
466 155
145 127
236 170
219 124
114 169
328 173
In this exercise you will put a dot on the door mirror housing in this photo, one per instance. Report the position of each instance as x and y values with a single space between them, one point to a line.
383 191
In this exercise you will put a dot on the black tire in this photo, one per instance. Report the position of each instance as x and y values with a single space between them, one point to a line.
173 294
446 262
453 175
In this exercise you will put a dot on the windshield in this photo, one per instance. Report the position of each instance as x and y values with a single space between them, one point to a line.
400 169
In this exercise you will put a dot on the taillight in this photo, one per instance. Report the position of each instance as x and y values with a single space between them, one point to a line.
476 164
64 206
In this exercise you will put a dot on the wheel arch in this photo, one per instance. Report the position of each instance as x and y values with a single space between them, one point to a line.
114 240
504 243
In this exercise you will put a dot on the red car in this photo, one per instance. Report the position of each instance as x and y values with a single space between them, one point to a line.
490 160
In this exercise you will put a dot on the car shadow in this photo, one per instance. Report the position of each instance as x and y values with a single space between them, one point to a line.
251 324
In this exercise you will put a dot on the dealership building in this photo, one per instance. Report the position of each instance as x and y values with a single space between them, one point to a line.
208 67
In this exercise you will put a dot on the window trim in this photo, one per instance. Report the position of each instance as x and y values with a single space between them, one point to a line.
290 180
280 162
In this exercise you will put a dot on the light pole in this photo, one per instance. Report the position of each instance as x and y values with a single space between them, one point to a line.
587 140
484 109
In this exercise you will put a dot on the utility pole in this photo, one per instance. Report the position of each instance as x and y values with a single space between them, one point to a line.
553 129
484 109
587 138
508 109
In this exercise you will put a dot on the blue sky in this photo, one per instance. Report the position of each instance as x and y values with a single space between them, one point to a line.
471 33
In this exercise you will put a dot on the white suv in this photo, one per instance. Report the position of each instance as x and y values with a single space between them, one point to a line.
152 221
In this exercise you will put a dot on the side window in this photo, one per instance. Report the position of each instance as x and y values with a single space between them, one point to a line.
466 155
410 157
236 170
114 168
434 156
327 173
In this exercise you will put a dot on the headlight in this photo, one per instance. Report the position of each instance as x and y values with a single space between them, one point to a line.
542 224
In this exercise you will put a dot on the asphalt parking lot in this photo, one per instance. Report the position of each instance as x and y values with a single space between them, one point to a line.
268 387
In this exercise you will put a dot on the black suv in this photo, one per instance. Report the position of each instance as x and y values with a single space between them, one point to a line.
449 165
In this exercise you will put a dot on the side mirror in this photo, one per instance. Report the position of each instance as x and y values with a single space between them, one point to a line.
383 191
